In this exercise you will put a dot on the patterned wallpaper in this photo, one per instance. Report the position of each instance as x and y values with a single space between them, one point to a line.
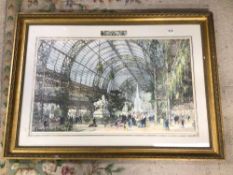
222 11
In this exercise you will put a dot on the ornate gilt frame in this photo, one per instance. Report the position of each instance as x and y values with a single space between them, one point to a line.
13 151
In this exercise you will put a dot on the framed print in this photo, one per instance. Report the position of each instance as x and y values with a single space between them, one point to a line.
121 85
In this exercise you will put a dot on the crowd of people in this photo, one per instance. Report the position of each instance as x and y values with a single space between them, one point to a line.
140 120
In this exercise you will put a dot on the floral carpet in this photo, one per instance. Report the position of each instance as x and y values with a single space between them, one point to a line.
222 13
15 167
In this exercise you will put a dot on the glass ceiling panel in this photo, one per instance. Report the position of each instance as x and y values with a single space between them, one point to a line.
118 65
118 42
128 83
101 81
76 71
94 44
131 47
92 64
107 71
76 48
130 63
90 79
122 79
52 59
108 53
139 74
84 51
123 51
64 45
87 58
59 63
85 77
92 53
136 51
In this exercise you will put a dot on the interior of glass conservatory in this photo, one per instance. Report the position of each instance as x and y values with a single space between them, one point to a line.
115 85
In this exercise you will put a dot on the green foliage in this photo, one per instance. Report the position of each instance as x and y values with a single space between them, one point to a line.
156 51
94 97
109 169
180 77
87 118
10 18
59 162
5 91
81 7
7 68
51 5
100 67
111 75
8 53
18 4
116 101
162 107
152 89
62 96
57 112
171 64
2 164
118 170
95 168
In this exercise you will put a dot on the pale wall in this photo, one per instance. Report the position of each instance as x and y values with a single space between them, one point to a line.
223 21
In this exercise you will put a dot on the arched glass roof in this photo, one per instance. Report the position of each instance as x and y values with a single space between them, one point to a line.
97 62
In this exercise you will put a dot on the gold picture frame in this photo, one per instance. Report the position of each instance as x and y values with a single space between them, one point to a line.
112 25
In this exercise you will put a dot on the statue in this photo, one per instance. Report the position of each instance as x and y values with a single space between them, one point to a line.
101 108
125 109
137 102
